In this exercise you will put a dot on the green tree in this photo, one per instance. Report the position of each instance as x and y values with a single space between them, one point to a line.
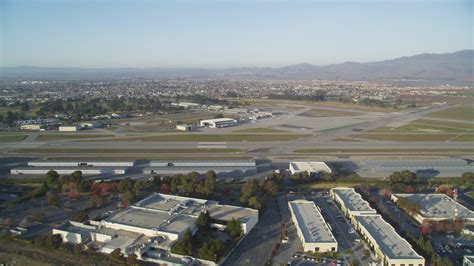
248 190
53 199
209 183
204 221
212 250
270 187
255 203
52 180
234 228
184 246
125 185
84 186
117 255
80 216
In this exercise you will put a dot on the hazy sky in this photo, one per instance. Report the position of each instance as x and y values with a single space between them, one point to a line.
227 33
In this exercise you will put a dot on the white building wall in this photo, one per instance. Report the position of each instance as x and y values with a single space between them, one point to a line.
69 237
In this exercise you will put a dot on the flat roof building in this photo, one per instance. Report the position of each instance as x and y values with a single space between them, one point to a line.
72 128
468 260
312 229
309 167
351 202
218 122
387 244
437 207
157 221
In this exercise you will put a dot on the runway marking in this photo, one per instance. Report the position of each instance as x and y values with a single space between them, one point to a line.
212 143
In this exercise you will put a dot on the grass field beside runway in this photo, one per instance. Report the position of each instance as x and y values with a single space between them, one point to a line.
461 112
111 150
315 112
408 137
439 123
381 150
12 137
46 137
422 128
261 130
213 138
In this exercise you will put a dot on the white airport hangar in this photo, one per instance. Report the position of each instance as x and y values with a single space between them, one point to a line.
218 122
313 231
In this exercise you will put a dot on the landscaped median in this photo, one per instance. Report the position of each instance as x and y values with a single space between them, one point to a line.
125 151
211 138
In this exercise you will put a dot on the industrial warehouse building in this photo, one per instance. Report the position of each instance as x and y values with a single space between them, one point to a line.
154 222
218 122
387 245
69 167
185 127
221 167
437 207
312 229
309 167
32 127
351 202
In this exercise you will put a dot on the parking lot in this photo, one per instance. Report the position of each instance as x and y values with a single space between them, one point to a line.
350 245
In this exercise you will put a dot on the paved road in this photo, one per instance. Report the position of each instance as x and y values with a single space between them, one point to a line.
256 247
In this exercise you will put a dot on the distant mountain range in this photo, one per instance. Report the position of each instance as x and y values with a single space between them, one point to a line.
454 67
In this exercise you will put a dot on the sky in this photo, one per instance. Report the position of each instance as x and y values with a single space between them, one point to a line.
227 33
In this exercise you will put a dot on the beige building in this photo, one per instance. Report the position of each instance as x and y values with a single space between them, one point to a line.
32 127
72 128
385 242
351 202
313 231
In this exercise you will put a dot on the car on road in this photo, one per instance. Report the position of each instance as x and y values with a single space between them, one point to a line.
351 231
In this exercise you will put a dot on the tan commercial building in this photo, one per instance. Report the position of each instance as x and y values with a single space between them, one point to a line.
385 242
32 127
69 128
312 229
351 202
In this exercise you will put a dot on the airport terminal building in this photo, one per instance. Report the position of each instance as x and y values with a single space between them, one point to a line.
313 231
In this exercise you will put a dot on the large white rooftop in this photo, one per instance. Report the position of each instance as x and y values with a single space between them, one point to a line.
391 244
310 167
311 222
